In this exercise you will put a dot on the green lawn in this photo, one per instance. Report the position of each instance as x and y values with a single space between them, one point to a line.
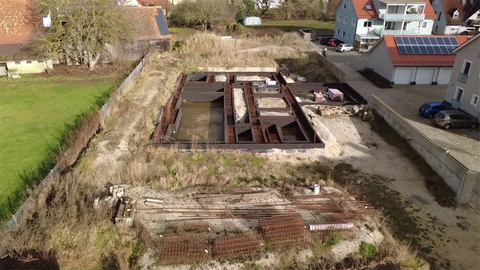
323 28
35 112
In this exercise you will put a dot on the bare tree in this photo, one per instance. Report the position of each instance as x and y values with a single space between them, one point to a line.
263 5
81 29
202 12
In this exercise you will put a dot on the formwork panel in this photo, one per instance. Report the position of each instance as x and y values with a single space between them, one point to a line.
237 246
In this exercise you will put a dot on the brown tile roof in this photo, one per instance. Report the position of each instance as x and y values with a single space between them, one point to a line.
449 6
361 10
162 3
420 59
18 21
148 31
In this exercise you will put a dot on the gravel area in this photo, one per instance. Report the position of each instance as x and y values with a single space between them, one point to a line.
240 105
274 113
267 102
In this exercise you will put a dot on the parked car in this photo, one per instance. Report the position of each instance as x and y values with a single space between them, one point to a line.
334 42
325 40
344 47
429 109
452 118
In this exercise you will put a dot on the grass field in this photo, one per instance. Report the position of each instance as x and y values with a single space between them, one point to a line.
321 27
35 112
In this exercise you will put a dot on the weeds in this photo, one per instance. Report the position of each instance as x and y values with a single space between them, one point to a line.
367 250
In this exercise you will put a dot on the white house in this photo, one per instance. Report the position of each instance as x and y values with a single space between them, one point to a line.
415 59
456 16
362 23
463 91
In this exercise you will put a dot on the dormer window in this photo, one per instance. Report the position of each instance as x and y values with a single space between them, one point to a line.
456 14
368 7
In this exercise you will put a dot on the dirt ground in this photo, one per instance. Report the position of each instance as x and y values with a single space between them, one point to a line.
453 235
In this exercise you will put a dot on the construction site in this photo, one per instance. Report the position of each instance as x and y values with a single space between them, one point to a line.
196 225
245 111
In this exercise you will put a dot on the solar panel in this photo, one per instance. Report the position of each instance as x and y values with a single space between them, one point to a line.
426 45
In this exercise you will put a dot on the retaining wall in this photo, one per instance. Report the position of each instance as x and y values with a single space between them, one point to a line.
334 68
455 174
104 113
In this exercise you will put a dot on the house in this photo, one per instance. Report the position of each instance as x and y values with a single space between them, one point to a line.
453 16
415 59
362 23
154 34
473 21
463 90
270 3
18 26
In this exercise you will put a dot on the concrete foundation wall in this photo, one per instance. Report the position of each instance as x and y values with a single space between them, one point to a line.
239 69
456 176
342 76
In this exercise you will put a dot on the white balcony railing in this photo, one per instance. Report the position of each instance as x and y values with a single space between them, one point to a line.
380 32
398 17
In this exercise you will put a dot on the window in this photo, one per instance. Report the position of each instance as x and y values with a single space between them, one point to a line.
424 24
389 25
354 22
478 16
348 35
404 27
368 7
439 16
474 101
458 94
343 33
338 31
456 14
344 6
345 19
464 2
436 2
350 6
466 67
340 18
367 24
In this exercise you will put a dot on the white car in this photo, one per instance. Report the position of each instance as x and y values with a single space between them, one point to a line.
344 47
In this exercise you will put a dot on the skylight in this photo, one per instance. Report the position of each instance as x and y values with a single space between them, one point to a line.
368 7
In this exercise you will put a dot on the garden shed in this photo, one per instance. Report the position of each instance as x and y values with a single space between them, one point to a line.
250 21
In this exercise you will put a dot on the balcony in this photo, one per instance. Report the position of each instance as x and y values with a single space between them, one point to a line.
462 77
380 32
398 17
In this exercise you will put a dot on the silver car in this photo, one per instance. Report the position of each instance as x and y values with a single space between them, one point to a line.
344 47
452 118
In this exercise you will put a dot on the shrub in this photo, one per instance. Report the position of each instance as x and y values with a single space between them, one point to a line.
367 250
334 239
236 28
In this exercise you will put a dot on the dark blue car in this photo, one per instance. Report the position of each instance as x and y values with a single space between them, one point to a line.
429 109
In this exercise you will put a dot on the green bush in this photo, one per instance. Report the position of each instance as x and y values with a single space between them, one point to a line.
367 250
334 239
237 28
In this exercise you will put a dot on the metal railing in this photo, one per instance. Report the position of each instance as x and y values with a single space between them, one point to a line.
462 77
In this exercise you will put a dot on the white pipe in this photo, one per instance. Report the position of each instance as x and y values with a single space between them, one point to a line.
324 227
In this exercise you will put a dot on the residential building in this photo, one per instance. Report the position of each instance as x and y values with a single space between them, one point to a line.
463 91
18 27
362 23
473 21
454 16
270 3
415 59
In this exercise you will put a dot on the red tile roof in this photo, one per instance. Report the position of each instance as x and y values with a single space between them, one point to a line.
18 21
162 3
362 12
429 12
449 6
419 59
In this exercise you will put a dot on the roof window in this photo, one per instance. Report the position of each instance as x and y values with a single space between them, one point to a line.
368 7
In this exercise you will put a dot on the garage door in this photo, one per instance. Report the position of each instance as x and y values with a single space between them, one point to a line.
444 75
425 75
403 75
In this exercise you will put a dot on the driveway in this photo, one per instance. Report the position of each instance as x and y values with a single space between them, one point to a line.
354 59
